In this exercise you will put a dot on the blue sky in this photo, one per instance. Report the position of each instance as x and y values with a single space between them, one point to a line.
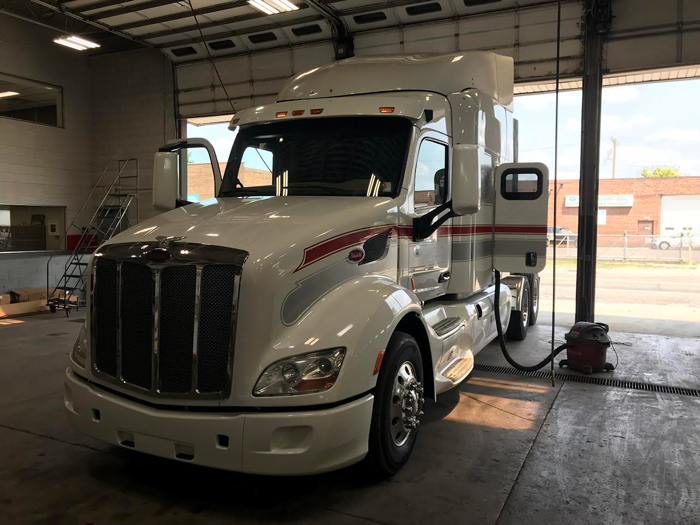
656 124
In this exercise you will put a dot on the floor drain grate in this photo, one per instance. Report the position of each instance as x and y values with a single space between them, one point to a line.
592 380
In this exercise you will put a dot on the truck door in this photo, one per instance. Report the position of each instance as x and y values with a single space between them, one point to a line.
520 223
429 259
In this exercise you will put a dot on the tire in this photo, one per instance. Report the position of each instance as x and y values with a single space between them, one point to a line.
534 281
520 320
390 442
663 245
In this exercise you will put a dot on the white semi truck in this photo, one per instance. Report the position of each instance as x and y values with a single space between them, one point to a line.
296 323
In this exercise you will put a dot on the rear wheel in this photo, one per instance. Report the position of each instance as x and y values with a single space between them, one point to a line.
520 319
663 245
398 406
534 281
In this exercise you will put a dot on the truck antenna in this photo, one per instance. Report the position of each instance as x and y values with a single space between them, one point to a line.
556 168
206 47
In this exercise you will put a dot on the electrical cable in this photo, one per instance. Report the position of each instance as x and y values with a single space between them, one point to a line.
206 47
502 340
556 170
497 298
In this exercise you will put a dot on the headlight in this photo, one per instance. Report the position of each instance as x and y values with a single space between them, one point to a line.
80 348
302 374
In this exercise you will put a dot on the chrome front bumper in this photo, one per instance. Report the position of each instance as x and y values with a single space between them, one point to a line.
276 443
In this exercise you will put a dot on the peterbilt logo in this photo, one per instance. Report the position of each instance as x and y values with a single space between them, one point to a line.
165 242
161 254
356 255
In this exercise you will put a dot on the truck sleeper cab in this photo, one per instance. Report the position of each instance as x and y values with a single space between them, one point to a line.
295 323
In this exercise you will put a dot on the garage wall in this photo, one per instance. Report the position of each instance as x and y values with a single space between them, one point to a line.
43 165
132 114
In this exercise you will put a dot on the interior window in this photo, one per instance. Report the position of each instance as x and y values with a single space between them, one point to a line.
32 228
25 99
431 176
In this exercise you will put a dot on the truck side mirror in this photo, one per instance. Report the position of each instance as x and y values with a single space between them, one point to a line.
165 180
466 179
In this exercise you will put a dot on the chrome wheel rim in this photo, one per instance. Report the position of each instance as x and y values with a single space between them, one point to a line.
526 308
535 295
406 404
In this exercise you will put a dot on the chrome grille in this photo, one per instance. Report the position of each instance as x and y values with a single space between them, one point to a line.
166 324
178 285
136 314
214 333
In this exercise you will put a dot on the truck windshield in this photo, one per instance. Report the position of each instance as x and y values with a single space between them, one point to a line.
348 156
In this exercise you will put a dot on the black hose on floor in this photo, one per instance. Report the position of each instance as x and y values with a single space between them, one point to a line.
502 339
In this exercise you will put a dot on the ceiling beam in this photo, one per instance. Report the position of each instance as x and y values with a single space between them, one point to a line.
187 14
96 5
130 9
343 42
242 32
77 16
205 25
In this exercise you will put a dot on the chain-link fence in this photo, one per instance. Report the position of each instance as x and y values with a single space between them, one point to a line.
683 247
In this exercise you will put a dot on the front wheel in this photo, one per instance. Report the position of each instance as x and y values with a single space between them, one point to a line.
664 245
398 406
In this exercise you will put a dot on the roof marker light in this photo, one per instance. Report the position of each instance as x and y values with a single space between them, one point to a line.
281 114
316 111
386 110
297 112
235 121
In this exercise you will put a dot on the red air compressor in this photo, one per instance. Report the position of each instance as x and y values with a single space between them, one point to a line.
587 348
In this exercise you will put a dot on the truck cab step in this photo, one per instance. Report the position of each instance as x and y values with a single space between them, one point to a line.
459 369
447 325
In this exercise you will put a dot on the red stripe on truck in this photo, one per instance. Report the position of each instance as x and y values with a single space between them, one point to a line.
352 238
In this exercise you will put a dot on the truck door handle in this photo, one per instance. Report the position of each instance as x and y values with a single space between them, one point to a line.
444 277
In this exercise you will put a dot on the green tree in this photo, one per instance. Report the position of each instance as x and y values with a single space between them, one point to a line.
190 160
660 172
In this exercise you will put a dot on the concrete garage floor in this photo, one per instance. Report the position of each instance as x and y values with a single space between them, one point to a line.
500 449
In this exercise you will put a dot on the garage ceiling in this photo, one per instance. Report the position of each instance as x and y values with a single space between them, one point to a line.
256 53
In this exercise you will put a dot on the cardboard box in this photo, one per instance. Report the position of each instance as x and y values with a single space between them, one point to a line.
5 299
24 295
11 310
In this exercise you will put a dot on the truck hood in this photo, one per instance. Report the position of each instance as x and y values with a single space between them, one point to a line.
265 226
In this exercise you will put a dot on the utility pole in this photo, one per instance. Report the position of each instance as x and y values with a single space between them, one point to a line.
614 159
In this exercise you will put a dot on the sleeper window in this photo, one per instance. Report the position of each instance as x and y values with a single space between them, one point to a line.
430 185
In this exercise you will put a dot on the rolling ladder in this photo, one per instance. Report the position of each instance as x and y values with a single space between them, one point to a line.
110 218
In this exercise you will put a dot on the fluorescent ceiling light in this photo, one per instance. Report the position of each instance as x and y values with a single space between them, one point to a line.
272 7
8 94
262 6
283 5
75 42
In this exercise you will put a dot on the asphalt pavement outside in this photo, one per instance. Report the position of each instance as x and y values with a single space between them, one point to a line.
631 297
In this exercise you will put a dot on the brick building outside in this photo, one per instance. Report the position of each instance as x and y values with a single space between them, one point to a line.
631 205
200 180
